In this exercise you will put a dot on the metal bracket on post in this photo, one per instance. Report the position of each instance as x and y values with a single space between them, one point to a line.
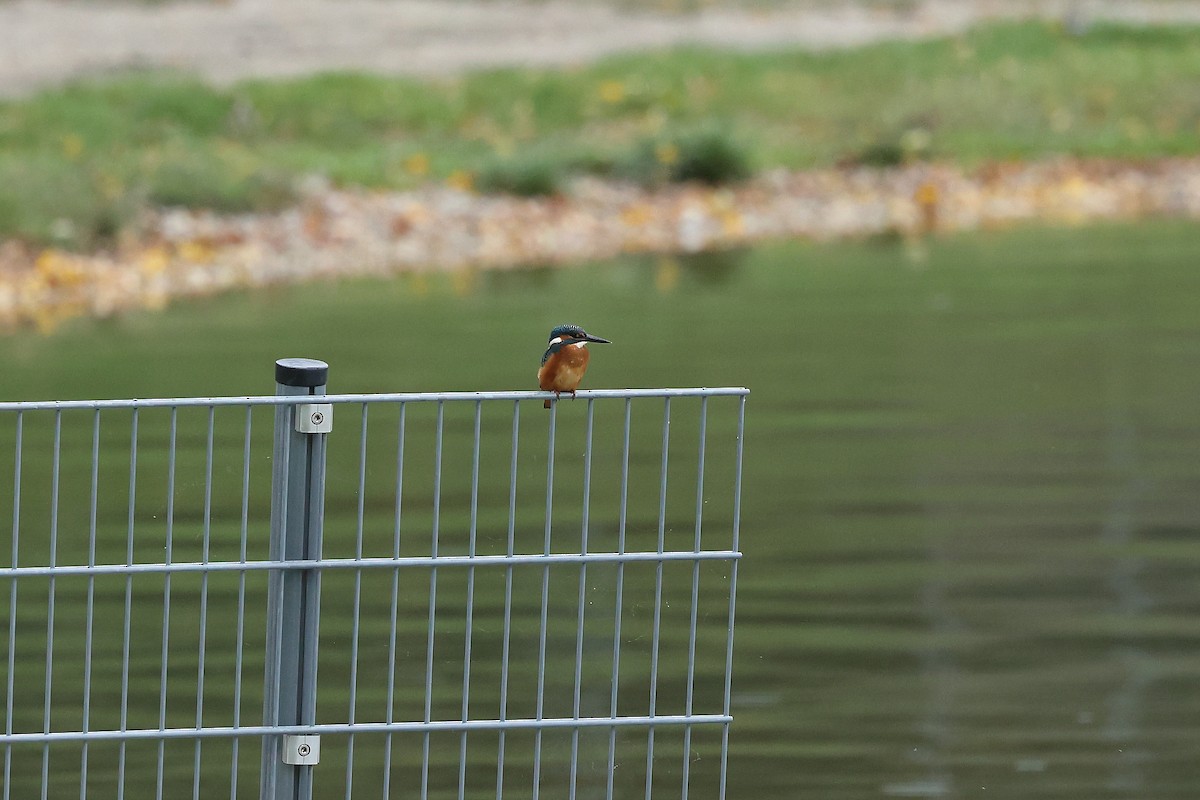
314 417
294 595
301 750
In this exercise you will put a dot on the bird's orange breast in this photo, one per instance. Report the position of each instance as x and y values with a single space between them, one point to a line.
563 370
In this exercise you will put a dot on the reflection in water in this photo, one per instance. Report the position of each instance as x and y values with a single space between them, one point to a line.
666 274
714 267
534 278
1136 667
940 673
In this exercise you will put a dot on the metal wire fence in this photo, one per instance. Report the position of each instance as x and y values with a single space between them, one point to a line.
453 595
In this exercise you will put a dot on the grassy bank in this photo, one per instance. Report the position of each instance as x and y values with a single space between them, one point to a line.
76 164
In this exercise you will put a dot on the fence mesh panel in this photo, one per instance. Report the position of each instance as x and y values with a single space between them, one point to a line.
513 601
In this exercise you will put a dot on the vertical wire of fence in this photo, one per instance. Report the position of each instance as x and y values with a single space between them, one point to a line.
447 595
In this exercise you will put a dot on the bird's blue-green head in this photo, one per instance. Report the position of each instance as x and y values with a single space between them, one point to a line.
569 334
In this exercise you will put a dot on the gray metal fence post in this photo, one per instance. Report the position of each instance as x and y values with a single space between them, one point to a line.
294 595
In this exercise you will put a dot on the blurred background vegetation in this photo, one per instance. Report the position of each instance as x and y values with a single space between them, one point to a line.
78 163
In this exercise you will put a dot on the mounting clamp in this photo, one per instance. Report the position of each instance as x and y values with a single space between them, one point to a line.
301 750
314 418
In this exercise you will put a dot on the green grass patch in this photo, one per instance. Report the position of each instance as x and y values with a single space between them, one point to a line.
527 175
76 162
709 155
224 179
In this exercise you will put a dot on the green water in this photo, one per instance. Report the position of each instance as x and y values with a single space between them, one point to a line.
969 519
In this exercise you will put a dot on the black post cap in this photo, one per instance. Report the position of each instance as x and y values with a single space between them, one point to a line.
301 372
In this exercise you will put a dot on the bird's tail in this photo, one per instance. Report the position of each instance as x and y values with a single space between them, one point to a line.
546 404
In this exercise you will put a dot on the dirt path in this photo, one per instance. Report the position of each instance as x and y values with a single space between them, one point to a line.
43 42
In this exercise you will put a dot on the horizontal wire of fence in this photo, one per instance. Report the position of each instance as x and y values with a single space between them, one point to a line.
395 397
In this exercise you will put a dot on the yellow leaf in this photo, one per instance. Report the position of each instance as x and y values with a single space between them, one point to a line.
72 146
636 215
732 223
926 194
666 275
666 153
48 262
462 180
154 260
196 251
417 164
612 91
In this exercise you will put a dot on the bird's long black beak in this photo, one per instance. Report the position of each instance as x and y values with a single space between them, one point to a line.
596 339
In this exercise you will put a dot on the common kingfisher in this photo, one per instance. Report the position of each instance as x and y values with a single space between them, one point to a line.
566 359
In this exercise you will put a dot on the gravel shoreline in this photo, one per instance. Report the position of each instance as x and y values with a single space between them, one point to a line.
334 233
337 233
